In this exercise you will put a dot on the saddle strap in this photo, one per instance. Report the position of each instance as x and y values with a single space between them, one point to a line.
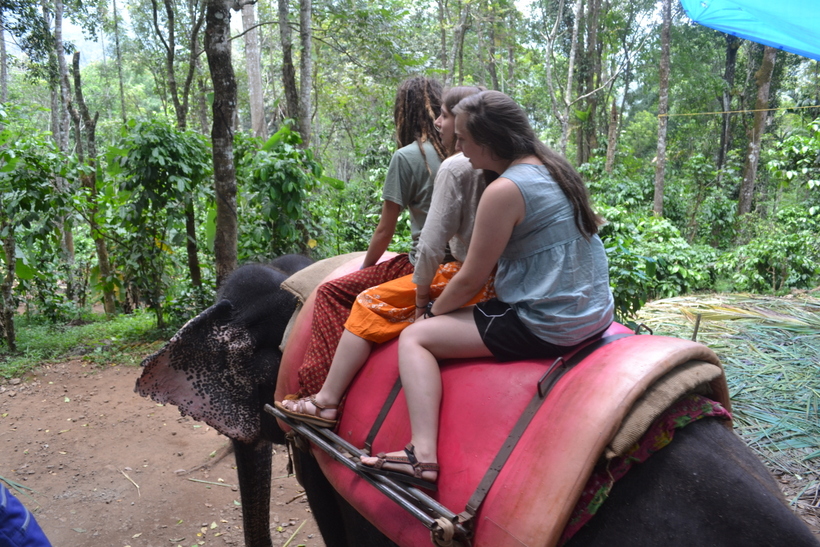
388 404
526 417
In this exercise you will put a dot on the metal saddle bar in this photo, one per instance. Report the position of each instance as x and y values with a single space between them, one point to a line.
414 501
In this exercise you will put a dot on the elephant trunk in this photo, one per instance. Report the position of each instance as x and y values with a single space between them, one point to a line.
253 465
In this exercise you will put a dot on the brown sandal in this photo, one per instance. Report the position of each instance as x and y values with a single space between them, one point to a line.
301 414
411 460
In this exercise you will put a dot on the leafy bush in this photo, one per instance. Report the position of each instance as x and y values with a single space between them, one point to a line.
344 219
185 301
276 179
649 259
796 160
616 190
161 169
782 253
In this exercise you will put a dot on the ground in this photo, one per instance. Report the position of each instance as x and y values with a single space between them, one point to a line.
108 468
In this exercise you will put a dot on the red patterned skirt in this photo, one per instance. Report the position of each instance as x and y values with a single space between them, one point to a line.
331 309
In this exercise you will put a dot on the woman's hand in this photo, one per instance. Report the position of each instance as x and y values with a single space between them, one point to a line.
422 298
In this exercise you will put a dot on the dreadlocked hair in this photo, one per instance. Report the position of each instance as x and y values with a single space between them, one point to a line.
496 121
418 104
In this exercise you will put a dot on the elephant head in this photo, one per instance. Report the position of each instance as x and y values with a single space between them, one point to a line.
221 367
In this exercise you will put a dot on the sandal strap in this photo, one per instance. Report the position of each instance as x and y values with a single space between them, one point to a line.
383 458
318 405
410 450
418 467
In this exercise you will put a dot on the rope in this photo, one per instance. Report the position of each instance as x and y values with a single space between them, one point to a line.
737 111
443 536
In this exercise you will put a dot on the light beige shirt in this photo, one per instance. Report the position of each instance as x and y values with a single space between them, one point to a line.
456 192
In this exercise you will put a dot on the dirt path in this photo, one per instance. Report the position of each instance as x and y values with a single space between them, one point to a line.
106 466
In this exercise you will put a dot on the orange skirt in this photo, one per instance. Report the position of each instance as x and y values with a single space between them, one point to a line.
380 313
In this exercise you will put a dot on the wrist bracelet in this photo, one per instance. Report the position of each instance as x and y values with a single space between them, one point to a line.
429 313
424 307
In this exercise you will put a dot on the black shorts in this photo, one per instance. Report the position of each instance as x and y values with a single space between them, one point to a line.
508 338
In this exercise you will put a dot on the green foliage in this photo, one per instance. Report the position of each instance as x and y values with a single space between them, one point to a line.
276 179
30 206
343 218
184 301
160 169
782 254
649 259
616 190
28 164
796 161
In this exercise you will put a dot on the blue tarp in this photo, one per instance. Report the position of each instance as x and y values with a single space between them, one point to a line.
791 25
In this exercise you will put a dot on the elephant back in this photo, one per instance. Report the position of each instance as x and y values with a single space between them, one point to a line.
535 491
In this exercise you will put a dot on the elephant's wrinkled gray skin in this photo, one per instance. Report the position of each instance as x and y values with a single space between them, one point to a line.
705 488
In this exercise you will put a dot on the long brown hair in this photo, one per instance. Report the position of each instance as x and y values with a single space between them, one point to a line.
418 104
498 122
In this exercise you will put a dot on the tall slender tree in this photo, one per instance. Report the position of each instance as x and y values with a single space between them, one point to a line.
763 79
4 65
663 108
86 143
732 45
119 60
218 51
181 96
305 70
259 126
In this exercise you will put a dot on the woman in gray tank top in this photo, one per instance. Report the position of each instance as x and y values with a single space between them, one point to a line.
536 223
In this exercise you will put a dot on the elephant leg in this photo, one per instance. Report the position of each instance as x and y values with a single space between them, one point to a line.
339 523
253 465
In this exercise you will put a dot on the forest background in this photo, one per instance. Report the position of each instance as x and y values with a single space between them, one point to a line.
203 137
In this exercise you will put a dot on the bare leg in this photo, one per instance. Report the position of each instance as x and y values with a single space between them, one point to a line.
351 354
421 345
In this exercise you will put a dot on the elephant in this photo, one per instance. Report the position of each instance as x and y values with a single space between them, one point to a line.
706 487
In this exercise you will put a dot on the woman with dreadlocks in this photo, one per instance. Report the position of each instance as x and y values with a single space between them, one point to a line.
408 184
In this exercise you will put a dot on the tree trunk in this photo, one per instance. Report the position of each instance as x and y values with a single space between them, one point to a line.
442 26
119 61
732 45
218 51
253 60
491 66
663 108
510 87
202 106
305 70
7 307
61 137
612 138
288 70
458 43
587 130
170 46
191 245
763 78
4 67
181 100
89 180
565 116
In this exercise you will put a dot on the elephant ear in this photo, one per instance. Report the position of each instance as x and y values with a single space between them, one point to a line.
205 371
